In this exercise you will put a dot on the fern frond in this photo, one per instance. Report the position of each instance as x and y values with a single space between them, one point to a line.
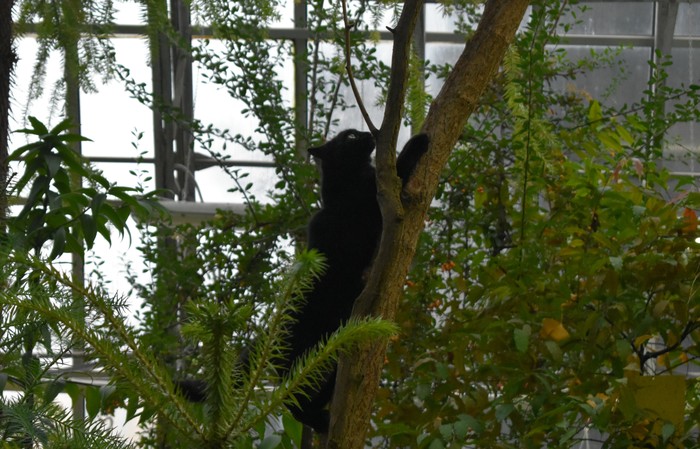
110 341
417 98
214 325
311 370
49 424
264 355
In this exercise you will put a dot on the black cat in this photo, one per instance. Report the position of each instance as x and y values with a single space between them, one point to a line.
346 231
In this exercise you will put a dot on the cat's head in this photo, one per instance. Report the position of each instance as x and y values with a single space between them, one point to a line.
348 147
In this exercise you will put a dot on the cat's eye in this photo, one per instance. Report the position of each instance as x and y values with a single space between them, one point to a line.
352 136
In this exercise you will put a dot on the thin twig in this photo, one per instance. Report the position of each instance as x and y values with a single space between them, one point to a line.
334 102
348 67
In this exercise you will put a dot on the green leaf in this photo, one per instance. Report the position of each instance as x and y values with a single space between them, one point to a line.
62 182
624 134
595 113
73 245
123 212
93 401
436 444
53 163
64 125
446 431
104 231
470 423
29 148
72 160
461 429
101 180
46 336
73 390
522 338
132 407
693 200
53 389
89 228
123 193
74 138
503 411
59 243
39 188
75 200
611 141
554 350
39 127
108 212
627 404
624 349
667 431
292 428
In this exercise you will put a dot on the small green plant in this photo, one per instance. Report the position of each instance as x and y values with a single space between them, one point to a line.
68 202
143 382
57 209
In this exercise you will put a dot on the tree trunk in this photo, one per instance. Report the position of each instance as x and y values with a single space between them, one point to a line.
359 373
8 59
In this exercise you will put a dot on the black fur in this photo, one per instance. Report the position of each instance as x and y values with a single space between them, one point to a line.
346 231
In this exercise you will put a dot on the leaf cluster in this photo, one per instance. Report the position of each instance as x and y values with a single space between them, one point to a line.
57 207
558 266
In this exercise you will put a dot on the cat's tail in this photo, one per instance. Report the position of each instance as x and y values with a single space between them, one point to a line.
410 155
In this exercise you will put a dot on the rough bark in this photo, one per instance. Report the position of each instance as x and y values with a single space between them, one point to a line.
359 373
8 59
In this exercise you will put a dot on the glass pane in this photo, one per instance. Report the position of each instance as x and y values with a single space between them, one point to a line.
285 9
128 13
436 21
621 83
683 72
129 174
610 18
214 184
440 54
688 21
110 117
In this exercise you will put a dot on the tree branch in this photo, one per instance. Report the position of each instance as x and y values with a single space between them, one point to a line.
348 69
359 374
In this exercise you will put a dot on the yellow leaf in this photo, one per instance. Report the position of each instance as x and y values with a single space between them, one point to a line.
662 396
639 430
671 339
553 330
639 341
